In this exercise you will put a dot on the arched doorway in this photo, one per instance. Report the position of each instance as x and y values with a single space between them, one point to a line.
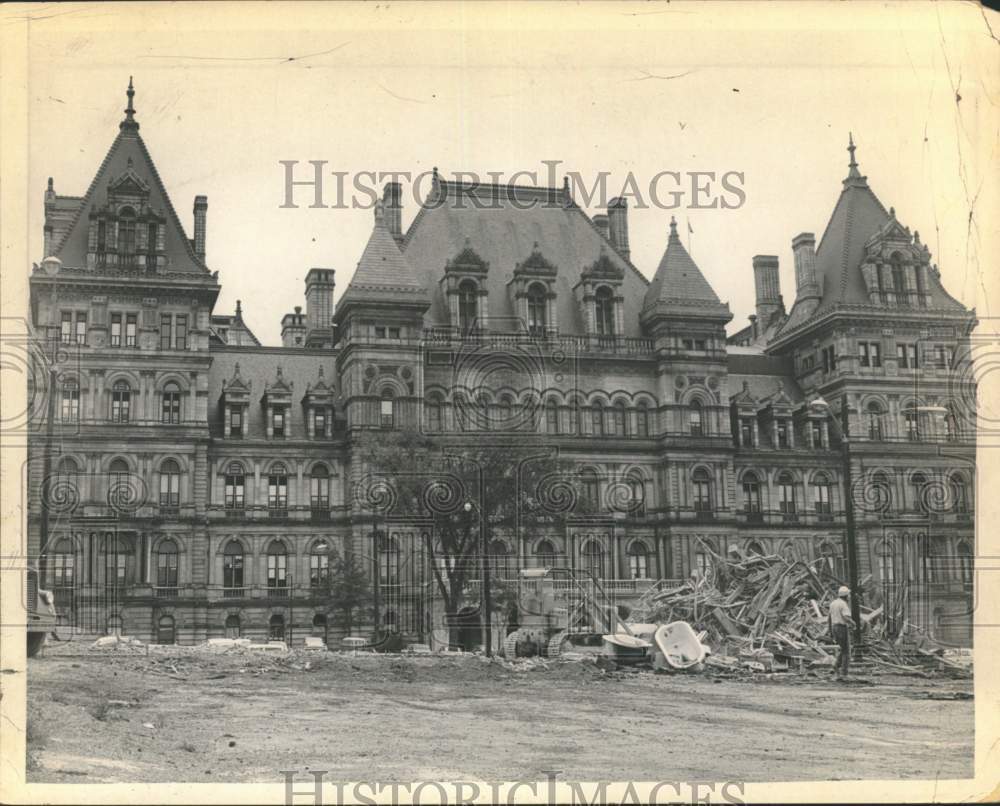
319 627
165 632
276 628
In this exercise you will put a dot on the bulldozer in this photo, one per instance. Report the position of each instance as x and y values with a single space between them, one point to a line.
563 610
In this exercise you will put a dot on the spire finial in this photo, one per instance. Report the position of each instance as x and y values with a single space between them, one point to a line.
673 227
239 309
853 172
130 122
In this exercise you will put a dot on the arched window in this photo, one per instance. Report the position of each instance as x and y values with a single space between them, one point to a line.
232 626
166 564
591 490
505 421
468 306
121 402
703 564
963 553
537 310
69 410
319 564
277 490
620 418
171 407
388 560
642 420
899 281
232 568
434 419
959 494
911 422
62 563
319 488
636 494
701 483
638 560
695 424
165 630
830 559
881 492
546 553
918 486
119 476
126 237
276 627
235 486
116 565
604 308
751 493
786 493
151 232
319 626
876 421
277 565
597 419
593 559
552 416
387 410
170 484
499 559
573 413
887 563
821 494
755 549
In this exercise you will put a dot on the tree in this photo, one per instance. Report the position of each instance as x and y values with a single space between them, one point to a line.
349 588
511 489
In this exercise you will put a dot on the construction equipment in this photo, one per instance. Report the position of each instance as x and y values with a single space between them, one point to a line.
41 613
561 610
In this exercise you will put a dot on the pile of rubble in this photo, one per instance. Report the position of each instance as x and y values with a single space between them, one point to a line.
765 613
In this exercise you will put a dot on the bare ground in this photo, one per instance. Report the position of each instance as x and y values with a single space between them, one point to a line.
194 716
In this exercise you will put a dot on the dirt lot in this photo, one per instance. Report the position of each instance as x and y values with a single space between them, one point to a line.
178 714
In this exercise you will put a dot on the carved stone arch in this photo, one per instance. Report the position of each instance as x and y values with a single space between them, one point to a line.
270 465
390 383
242 541
108 459
697 393
183 384
162 537
182 461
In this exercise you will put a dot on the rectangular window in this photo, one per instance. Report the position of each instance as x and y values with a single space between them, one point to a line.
116 330
234 491
180 332
279 422
379 332
829 359
821 496
165 331
131 323
70 405
65 331
319 570
277 492
236 422
688 344
386 413
166 570
817 434
782 433
901 356
876 353
699 344
81 328
786 497
393 332
863 354
318 492
320 423
746 432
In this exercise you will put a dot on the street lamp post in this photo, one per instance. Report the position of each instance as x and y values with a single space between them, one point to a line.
485 600
843 430
378 571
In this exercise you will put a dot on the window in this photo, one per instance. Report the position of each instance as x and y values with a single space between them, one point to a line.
126 237
121 400
642 421
379 331
597 419
319 422
964 555
593 559
911 423
942 356
537 310
906 355
170 482
180 332
278 421
746 431
393 332
703 564
232 626
319 488
232 566
69 411
782 429
171 404
62 564
829 358
319 566
605 312
959 494
166 564
951 430
786 493
870 353
830 559
506 419
695 424
116 330
277 488
574 417
434 419
687 344
751 493
591 489
918 485
387 418
638 560
131 321
637 495
388 560
620 419
165 331
898 281
80 335
876 417
821 494
118 481
467 306
499 559
552 417
102 239
277 565
151 233
702 489
236 421
115 560
276 628
546 553
235 486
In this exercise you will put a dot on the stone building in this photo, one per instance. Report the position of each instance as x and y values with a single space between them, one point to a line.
197 480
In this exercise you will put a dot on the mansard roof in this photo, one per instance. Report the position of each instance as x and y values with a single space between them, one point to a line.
127 159
502 223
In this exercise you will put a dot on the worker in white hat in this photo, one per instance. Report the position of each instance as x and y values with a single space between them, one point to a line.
840 625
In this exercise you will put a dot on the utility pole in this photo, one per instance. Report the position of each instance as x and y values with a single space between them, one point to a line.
43 520
852 539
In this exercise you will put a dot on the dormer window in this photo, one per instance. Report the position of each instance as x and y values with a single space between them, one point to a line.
126 237
468 298
537 309
604 305
236 422
746 432
782 427
319 422
278 423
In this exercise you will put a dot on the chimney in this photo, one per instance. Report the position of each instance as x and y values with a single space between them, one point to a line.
392 204
601 222
767 285
293 328
618 224
200 210
319 299
806 282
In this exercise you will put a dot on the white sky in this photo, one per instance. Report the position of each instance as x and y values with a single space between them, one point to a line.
503 87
